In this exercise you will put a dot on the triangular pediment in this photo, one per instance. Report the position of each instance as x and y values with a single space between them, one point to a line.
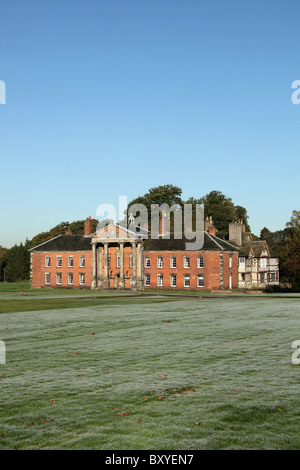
116 231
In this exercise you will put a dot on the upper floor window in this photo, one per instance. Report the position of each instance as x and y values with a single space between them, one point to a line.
130 261
70 262
147 261
173 262
186 262
230 261
59 262
241 261
160 262
118 260
263 262
200 263
82 261
47 261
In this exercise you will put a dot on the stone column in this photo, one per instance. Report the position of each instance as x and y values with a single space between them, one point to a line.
133 285
139 266
99 268
121 280
105 266
94 266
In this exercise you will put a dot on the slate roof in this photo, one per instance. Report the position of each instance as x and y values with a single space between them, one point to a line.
255 246
65 243
211 243
82 243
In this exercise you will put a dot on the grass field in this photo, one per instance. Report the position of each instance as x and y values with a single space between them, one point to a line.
158 373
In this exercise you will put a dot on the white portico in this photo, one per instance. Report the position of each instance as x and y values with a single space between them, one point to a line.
117 258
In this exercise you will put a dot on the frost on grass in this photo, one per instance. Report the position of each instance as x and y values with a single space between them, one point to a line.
68 371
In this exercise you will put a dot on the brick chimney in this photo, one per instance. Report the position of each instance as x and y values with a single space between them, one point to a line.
88 227
68 232
209 226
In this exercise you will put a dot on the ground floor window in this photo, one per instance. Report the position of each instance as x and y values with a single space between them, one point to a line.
173 280
147 280
160 280
70 279
186 280
58 278
200 280
82 279
47 278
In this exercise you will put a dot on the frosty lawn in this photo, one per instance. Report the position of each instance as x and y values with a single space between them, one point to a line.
184 374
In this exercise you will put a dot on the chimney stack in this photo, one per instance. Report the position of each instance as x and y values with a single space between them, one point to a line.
88 227
236 230
209 226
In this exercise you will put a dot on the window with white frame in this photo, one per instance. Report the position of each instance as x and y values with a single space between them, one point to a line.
173 262
200 280
160 281
263 262
130 261
47 262
242 261
108 261
82 279
186 262
70 262
58 261
147 280
58 278
200 263
147 261
230 261
160 262
47 278
118 260
173 280
70 278
82 261
186 280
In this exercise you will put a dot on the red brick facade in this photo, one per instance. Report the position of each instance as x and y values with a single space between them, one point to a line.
212 271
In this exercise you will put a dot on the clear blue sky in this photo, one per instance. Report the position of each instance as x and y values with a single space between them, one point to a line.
109 98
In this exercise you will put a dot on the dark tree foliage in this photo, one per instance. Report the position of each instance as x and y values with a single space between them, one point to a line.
16 260
221 209
286 245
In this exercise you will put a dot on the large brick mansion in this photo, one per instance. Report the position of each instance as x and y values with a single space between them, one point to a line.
116 258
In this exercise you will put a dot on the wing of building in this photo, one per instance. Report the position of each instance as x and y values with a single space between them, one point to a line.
258 265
